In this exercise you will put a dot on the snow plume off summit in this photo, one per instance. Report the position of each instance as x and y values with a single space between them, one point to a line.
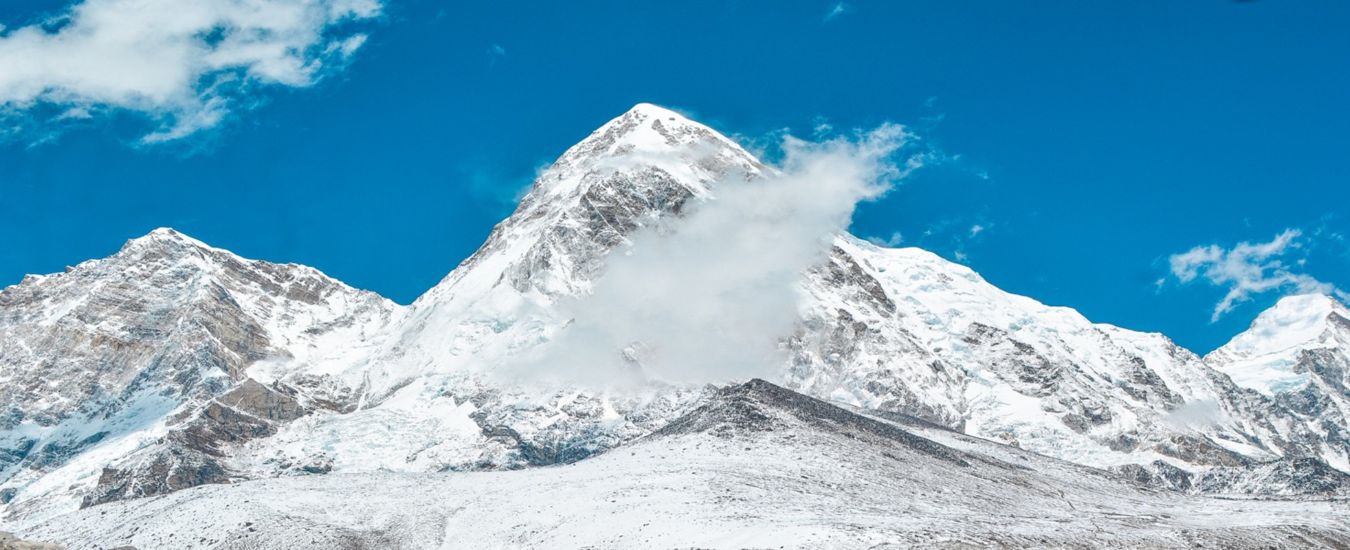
709 296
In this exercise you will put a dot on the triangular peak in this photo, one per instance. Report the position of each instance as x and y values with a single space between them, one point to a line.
656 111
1267 356
646 129
645 137
164 236
1294 322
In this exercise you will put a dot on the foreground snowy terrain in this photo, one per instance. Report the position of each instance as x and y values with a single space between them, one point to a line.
173 378
755 466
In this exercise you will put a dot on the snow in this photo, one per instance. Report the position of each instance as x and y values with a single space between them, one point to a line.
48 494
814 479
942 301
417 389
126 352
1264 357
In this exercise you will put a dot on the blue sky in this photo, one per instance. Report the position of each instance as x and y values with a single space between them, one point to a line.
1087 143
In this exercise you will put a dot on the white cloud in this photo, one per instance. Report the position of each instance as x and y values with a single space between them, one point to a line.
1249 269
1196 414
183 63
891 242
822 128
837 10
709 296
954 237
495 52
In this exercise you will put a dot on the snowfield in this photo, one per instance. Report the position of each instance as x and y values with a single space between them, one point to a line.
757 466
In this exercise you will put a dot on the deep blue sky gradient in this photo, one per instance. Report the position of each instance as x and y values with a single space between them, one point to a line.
1094 138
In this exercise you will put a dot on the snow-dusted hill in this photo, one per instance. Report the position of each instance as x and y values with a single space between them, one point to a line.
173 364
755 465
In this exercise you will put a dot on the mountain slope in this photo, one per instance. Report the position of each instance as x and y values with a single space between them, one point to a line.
905 331
122 373
1298 354
439 385
1266 357
755 465
897 330
646 165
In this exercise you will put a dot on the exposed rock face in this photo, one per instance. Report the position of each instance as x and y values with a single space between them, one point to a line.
127 359
173 364
196 449
760 406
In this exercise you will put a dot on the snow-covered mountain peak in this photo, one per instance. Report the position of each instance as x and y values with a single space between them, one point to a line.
1269 356
645 139
161 249
648 127
644 164
167 240
1300 321
164 235
168 248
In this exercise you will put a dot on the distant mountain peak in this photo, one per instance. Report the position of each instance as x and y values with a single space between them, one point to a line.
1267 355
1296 321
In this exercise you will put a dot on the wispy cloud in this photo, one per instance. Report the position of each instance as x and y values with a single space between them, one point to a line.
495 53
890 242
837 10
185 64
1248 269
954 236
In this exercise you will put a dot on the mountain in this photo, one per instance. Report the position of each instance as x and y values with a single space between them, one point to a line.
1298 354
754 465
128 373
172 364
1269 356
902 330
